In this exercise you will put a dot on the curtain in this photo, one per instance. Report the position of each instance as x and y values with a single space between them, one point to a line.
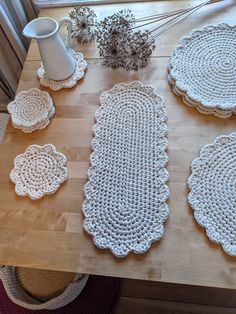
14 15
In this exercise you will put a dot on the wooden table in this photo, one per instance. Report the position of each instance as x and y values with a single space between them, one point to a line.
48 233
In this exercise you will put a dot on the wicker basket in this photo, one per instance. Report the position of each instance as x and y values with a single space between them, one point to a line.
20 297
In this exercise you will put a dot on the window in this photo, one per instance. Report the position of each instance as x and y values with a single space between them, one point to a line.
58 3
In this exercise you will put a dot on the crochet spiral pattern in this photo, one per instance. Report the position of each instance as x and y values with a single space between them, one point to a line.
126 194
213 191
203 70
31 110
39 171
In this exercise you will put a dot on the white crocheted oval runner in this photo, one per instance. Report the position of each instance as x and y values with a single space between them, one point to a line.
38 171
126 194
213 191
203 70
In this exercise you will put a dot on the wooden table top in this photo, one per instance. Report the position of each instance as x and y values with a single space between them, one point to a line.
48 233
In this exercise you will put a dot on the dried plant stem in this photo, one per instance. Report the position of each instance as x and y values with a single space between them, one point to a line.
167 14
160 15
165 17
178 20
121 42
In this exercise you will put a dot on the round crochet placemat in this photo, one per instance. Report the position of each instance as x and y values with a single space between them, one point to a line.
203 70
125 197
38 171
213 191
79 73
31 110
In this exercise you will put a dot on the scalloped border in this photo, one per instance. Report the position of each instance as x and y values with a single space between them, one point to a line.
59 183
206 150
103 100
41 122
218 110
81 66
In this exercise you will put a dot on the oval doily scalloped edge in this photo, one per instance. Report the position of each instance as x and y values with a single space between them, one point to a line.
102 103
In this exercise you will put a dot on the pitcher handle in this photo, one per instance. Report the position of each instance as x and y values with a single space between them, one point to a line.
68 21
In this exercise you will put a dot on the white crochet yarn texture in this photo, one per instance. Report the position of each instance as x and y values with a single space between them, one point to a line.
79 73
38 171
20 297
213 191
125 197
203 70
31 110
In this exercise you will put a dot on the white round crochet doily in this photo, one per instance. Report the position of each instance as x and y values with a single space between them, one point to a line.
203 70
38 171
79 73
213 191
125 197
31 110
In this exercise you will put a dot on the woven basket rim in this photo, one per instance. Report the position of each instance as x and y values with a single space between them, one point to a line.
20 297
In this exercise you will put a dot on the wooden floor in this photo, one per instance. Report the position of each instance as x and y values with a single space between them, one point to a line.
147 297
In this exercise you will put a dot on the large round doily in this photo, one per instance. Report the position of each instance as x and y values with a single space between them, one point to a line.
31 110
80 68
125 197
203 70
213 191
39 171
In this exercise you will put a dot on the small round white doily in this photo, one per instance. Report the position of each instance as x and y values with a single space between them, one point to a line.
38 171
79 73
203 70
125 205
213 191
31 110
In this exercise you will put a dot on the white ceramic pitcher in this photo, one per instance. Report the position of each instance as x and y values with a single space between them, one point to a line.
57 61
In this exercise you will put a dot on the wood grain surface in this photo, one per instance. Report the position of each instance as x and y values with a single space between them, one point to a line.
48 233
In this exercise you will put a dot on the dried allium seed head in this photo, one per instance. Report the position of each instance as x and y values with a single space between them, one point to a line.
119 46
111 54
139 48
84 24
112 34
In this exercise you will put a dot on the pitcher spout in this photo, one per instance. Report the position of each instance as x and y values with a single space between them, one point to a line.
25 34
41 28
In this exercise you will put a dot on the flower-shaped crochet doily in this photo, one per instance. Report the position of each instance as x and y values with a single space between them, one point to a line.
203 70
31 110
39 171
80 68
213 191
126 194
